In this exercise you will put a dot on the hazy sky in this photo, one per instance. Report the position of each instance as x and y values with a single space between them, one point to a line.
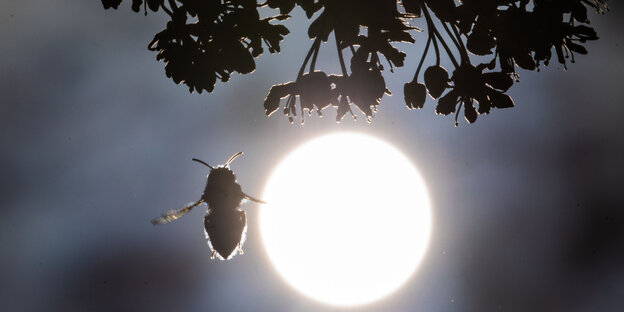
96 141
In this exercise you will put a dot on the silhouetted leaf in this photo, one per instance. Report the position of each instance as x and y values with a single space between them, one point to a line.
500 100
314 90
285 6
585 32
320 27
136 5
277 92
413 6
309 6
443 9
485 105
365 87
576 47
111 3
498 80
154 4
480 43
343 109
470 113
447 103
525 61
579 12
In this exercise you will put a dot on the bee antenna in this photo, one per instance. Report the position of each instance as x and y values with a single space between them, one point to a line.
202 162
227 163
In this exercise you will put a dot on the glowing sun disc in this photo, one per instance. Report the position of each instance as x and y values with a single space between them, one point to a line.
348 220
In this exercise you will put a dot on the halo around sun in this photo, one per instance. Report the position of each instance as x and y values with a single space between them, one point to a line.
348 219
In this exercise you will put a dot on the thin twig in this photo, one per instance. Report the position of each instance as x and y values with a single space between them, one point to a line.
316 51
162 6
341 58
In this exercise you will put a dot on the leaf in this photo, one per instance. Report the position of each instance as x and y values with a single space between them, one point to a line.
525 61
309 6
111 4
136 5
470 113
447 103
273 34
443 9
314 89
576 47
320 27
154 4
237 57
480 43
413 6
343 109
498 80
285 6
587 32
436 80
579 12
485 105
277 93
501 100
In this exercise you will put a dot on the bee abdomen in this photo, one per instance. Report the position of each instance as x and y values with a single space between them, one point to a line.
225 231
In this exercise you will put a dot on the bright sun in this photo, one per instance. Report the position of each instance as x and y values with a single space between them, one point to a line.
348 219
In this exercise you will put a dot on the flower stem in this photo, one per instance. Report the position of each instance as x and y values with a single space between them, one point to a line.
422 59
435 31
461 42
341 58
307 58
316 51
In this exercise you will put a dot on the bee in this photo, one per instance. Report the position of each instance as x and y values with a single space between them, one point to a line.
225 223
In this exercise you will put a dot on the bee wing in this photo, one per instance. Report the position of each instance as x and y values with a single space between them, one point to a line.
253 199
174 214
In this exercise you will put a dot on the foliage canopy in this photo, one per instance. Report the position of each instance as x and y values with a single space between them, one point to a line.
206 40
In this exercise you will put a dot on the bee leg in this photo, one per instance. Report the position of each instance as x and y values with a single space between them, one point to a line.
214 254
243 220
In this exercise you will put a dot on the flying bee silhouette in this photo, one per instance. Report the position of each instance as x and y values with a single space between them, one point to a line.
225 223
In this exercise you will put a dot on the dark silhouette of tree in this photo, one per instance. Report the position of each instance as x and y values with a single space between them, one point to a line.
206 40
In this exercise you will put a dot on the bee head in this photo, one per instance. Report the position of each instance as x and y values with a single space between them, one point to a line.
221 180
219 171
221 176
